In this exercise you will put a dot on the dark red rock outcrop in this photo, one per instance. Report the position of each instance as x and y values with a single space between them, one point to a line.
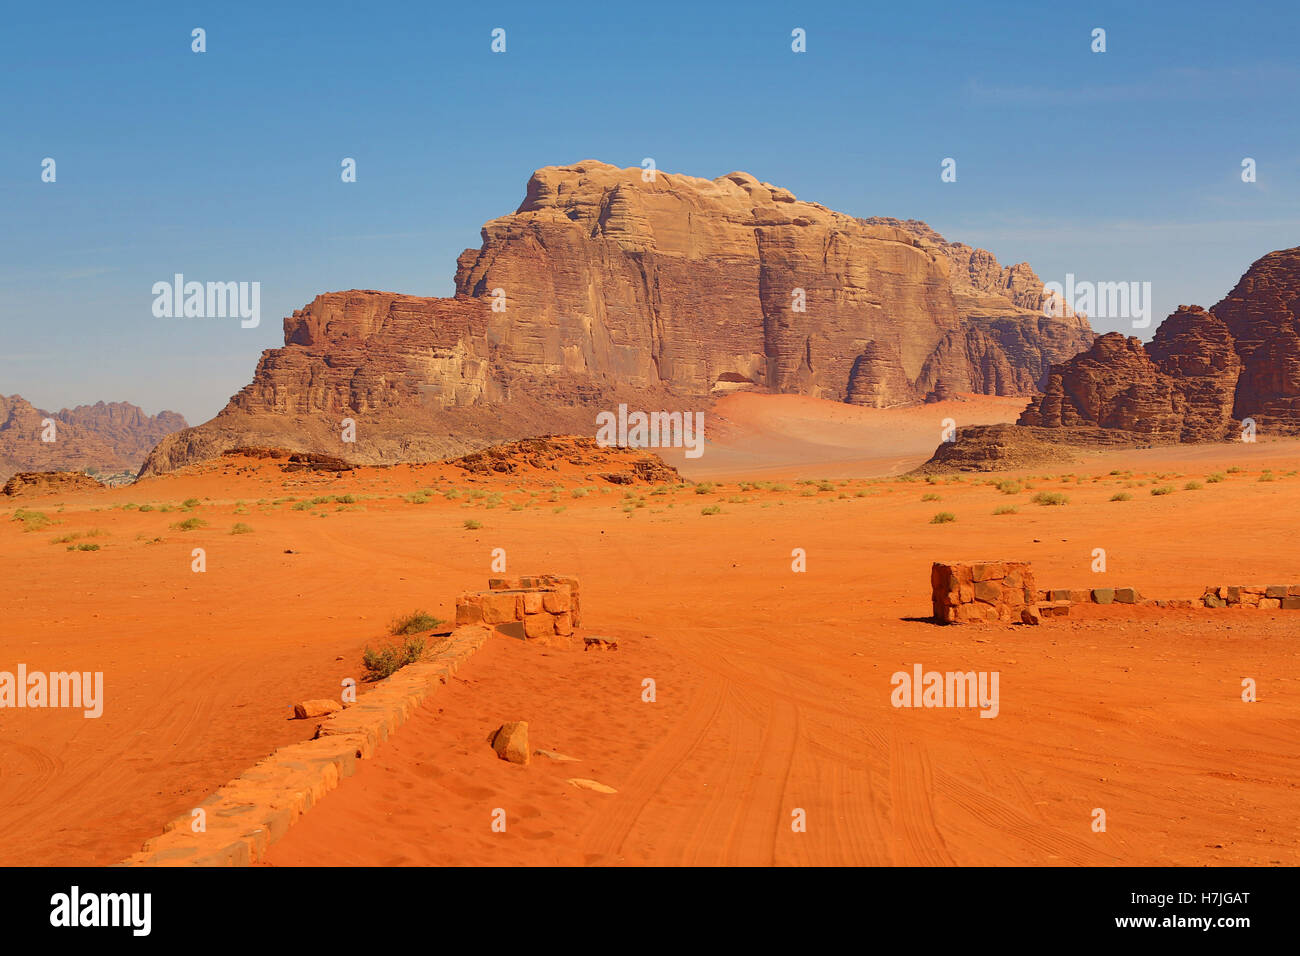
602 287
1201 375
48 482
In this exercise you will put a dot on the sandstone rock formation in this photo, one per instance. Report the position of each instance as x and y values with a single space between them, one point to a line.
604 287
1201 375
618 466
48 483
114 436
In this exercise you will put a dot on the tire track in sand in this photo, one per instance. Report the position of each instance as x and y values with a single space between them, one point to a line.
917 841
605 837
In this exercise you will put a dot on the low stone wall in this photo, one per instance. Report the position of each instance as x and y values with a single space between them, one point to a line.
527 581
1003 591
1266 597
251 812
981 591
541 608
1096 596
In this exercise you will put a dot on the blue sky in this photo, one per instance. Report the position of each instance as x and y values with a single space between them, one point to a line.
225 165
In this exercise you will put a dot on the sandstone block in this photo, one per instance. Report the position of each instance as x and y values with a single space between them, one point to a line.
315 708
468 613
510 741
538 625
558 600
500 607
1103 595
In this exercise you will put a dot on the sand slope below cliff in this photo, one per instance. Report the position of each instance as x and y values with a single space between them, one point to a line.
753 436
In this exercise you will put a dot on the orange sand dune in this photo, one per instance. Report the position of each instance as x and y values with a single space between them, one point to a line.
756 436
773 687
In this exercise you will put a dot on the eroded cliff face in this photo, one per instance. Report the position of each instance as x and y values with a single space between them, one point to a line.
603 287
1201 375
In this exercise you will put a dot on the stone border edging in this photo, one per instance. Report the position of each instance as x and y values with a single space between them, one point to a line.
253 811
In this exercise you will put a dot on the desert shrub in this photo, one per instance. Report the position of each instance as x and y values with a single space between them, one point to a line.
83 547
1009 487
413 623
388 658
1007 510
189 524
1163 490
31 520
704 488
240 528
1050 498
472 525
711 509
931 496
190 503
1193 486
582 492
1121 496
77 535
1234 469
825 485
943 517
1214 479
1267 476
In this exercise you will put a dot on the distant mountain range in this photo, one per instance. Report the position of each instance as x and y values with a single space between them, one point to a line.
106 437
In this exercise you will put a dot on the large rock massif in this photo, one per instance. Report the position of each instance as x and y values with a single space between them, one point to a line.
105 437
1201 376
603 287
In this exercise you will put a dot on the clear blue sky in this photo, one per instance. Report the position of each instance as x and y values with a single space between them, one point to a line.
225 165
